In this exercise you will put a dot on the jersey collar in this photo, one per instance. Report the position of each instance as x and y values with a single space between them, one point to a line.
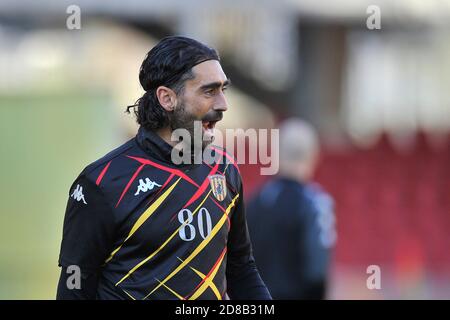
155 146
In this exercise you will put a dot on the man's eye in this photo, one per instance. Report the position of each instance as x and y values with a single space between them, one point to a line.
209 92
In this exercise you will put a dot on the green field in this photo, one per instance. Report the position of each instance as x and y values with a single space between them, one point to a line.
46 140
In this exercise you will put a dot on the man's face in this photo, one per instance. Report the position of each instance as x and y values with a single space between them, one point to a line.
202 100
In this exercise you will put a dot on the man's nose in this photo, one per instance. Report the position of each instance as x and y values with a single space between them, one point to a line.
221 103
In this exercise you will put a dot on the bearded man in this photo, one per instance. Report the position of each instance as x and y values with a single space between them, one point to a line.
140 225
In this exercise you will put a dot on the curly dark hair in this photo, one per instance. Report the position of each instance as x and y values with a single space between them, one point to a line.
168 64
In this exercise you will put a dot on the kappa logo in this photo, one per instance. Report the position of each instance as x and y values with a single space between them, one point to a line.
78 195
146 186
219 186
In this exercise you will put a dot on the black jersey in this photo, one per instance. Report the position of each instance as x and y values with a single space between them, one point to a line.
151 229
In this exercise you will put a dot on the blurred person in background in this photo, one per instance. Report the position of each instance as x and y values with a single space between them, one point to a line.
291 220
138 225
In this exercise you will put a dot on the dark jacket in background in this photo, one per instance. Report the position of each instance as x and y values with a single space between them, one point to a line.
292 228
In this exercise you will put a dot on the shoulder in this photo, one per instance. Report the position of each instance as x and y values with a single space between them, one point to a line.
269 193
94 172
316 193
317 199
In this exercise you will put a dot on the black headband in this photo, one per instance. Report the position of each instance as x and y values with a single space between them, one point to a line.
176 75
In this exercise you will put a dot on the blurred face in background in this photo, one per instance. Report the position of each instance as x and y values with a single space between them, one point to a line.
299 149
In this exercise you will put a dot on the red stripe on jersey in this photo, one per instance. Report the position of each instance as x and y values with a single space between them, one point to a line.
202 187
227 156
218 171
160 189
223 209
199 191
100 176
160 166
130 182
209 273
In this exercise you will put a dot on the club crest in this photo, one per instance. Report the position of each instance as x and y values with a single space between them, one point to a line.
218 186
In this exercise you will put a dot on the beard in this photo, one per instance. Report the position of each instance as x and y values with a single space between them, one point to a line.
180 118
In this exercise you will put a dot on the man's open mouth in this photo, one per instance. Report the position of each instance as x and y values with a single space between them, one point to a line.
209 125
210 120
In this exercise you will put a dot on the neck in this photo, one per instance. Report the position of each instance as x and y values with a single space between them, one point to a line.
166 134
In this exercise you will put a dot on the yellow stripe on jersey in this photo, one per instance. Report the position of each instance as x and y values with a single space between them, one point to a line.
200 247
209 281
163 245
147 213
129 294
207 284
172 291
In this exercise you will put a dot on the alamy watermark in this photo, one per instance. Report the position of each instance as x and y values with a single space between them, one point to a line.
374 280
263 147
74 280
373 21
73 21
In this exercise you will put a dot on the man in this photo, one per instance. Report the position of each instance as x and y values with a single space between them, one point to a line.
291 220
138 225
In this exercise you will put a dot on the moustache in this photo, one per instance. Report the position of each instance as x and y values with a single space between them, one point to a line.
213 116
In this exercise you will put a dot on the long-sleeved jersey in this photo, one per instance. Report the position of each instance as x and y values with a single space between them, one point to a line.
140 227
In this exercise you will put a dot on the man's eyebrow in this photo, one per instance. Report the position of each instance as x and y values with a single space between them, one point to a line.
216 84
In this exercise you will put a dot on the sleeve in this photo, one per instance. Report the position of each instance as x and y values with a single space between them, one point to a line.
87 234
87 289
243 279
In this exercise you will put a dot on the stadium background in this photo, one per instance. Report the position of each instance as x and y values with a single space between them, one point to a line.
379 99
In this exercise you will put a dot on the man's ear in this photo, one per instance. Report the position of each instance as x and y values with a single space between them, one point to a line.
166 98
